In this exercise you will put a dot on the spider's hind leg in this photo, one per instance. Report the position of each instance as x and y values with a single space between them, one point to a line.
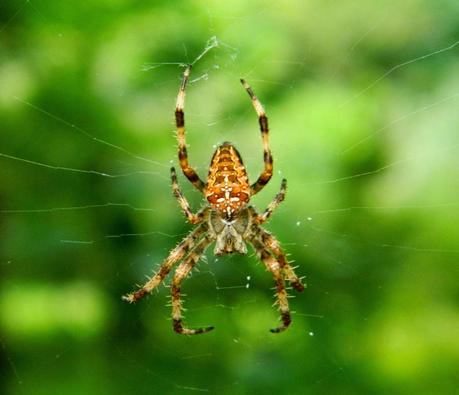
273 244
174 256
182 271
275 268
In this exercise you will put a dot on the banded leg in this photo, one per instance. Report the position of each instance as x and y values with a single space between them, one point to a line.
182 271
281 294
183 202
189 172
267 173
273 205
273 244
174 256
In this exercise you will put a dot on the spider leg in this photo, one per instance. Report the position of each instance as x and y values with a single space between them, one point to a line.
183 202
273 245
273 205
189 172
175 255
281 294
265 176
182 271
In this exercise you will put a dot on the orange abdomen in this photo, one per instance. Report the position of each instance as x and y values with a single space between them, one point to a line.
227 188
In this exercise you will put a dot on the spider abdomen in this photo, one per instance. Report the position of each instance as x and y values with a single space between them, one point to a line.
227 188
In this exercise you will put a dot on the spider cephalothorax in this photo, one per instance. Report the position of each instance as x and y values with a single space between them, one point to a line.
227 220
230 233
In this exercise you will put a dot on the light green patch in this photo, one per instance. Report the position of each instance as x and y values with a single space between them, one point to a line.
43 310
16 82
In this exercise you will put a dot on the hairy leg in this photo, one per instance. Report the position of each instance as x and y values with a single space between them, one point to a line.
281 294
183 202
267 173
189 172
180 274
174 256
268 240
261 218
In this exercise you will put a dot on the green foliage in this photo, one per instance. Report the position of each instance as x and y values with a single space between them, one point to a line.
362 99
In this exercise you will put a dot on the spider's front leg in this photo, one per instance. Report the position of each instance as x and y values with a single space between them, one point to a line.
175 255
267 173
189 172
182 271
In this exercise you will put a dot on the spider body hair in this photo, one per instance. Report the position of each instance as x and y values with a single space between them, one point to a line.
227 219
229 235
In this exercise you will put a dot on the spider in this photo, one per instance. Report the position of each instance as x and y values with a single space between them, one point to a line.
226 219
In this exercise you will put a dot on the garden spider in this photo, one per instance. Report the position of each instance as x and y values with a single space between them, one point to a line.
227 219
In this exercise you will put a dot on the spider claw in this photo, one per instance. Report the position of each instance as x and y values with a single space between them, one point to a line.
279 329
128 298
286 320
134 296
298 286
178 327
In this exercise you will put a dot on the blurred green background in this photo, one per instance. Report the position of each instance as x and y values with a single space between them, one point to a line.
362 99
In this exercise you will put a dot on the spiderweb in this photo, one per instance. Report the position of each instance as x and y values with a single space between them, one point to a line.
362 126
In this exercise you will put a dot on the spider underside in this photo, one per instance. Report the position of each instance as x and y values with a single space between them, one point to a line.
227 219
